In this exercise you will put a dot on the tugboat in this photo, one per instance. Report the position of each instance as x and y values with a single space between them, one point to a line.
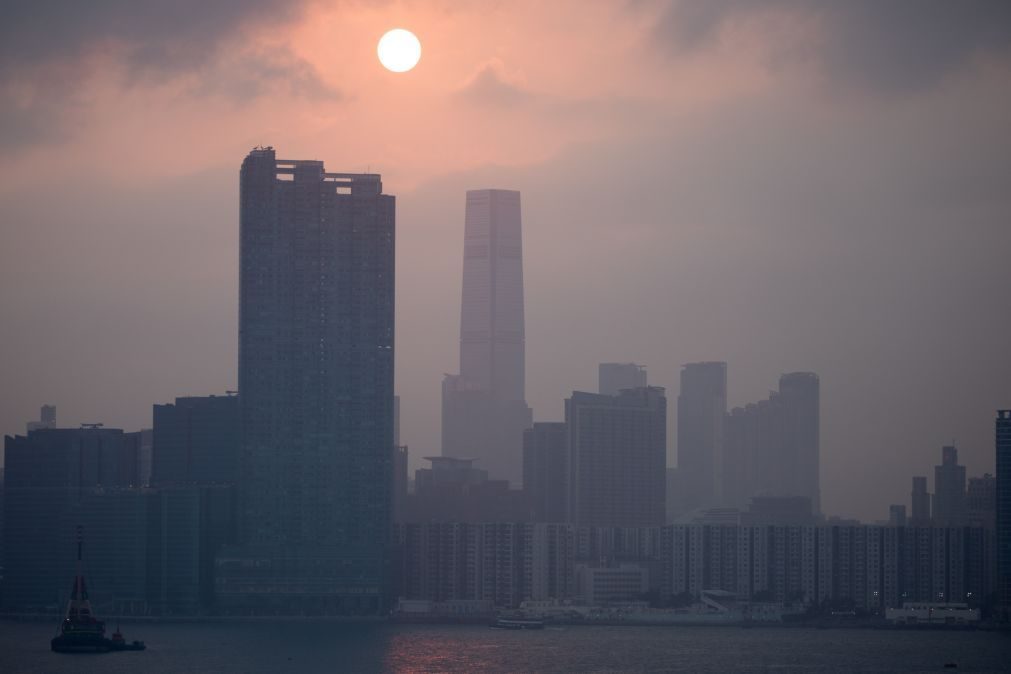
81 631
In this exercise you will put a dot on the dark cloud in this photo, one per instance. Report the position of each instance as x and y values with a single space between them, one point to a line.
884 45
155 35
48 48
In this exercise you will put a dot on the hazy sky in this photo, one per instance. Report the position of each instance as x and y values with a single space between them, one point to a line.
781 184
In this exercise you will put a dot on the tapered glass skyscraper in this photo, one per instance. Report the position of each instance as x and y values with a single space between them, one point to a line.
484 409
316 303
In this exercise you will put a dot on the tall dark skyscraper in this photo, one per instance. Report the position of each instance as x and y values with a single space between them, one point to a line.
920 503
1003 446
316 314
484 411
613 377
702 407
617 458
949 489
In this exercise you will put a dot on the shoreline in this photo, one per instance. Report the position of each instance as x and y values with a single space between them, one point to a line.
487 620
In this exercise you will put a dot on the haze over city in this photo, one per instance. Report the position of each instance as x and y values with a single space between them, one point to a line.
782 186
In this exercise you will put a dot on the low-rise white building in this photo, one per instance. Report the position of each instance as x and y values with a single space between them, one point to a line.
932 613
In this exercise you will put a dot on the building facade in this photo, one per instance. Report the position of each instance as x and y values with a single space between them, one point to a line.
545 475
196 441
316 327
1003 500
828 567
772 447
701 409
617 457
920 502
949 489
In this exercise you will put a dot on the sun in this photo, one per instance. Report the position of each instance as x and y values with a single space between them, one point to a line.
399 50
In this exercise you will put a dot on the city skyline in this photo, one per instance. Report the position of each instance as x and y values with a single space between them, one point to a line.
748 186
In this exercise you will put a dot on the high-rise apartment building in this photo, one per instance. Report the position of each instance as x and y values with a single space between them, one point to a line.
920 503
772 447
196 441
949 489
545 481
316 326
981 501
484 409
1003 447
613 377
617 457
800 394
49 474
702 407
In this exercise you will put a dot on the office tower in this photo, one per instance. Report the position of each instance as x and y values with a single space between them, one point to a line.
800 396
316 314
613 377
897 515
949 489
196 441
544 471
617 457
702 406
920 503
47 419
484 409
1003 447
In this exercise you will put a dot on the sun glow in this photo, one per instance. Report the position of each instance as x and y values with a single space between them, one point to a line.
399 50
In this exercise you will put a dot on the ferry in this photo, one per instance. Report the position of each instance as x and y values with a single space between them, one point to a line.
517 624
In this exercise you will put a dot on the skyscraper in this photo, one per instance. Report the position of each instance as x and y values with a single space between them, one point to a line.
544 471
771 448
920 503
949 489
613 377
1003 447
981 501
800 394
316 312
702 406
196 441
484 407
617 458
